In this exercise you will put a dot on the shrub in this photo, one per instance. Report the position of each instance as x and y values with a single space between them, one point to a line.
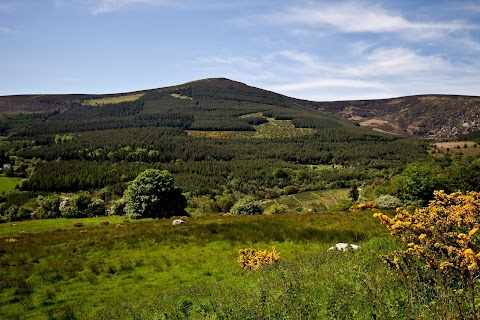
203 206
75 206
444 238
225 202
291 190
388 202
48 207
369 205
96 208
251 259
276 208
117 208
154 194
246 205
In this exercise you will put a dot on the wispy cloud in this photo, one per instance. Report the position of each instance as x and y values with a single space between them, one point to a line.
396 61
5 30
360 17
106 6
377 72
329 83
4 6
98 7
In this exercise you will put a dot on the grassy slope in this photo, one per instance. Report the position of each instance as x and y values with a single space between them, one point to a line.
8 183
107 267
317 200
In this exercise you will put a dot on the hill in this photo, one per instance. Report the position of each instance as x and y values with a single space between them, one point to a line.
217 136
426 116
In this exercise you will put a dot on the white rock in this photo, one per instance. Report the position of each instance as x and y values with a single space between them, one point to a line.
343 247
177 222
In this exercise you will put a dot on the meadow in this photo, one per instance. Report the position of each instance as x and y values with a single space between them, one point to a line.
8 183
112 99
269 130
153 270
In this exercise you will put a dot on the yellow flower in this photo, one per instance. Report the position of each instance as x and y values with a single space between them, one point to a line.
473 231
422 236
469 252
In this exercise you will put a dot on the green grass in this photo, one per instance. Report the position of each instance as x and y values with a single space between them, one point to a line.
8 183
55 268
153 270
179 96
11 229
271 129
314 200
112 100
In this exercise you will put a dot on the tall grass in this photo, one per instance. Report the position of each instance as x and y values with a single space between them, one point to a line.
151 269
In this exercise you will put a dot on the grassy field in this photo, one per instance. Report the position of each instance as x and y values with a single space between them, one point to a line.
8 183
271 129
462 147
111 100
314 200
153 270
179 96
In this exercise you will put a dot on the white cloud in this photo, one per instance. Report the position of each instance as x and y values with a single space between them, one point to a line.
396 61
329 83
106 6
361 17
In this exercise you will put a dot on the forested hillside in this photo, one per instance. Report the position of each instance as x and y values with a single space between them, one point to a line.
219 138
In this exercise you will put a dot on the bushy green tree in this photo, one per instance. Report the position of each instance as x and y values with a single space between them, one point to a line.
416 183
117 208
76 206
246 205
353 193
154 194
48 207
96 208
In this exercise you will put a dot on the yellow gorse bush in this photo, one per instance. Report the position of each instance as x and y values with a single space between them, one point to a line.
251 259
364 206
444 237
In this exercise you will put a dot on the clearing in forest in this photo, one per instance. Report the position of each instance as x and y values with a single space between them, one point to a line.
112 100
315 200
8 183
271 129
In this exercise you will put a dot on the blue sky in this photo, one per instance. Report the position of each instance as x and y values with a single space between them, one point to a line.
317 50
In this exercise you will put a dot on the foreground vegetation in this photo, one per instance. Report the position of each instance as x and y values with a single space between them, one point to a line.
153 269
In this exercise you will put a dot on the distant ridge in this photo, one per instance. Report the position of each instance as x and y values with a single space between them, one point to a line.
428 116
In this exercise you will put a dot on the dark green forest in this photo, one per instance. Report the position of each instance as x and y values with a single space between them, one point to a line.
100 143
